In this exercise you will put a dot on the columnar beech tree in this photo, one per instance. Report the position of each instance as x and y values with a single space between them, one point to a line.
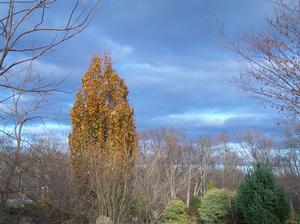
102 119
103 137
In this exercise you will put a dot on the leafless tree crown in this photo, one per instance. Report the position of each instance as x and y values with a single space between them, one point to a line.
30 29
272 59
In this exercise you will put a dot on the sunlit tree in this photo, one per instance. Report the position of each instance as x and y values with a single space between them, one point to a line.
103 138
102 119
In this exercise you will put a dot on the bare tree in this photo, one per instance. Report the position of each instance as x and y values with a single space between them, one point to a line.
288 163
108 193
272 58
7 176
174 161
162 172
230 162
203 164
29 29
20 110
256 147
47 178
151 190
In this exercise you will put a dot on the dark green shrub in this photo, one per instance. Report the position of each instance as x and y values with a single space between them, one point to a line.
215 206
195 203
260 200
176 212
297 218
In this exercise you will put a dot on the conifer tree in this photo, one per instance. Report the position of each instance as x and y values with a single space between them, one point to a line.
259 198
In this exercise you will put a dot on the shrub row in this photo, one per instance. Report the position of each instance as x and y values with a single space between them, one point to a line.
259 200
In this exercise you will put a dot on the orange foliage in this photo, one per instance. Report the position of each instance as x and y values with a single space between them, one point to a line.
102 120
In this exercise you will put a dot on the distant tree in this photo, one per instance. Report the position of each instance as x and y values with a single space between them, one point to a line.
259 198
103 137
257 147
203 162
288 160
272 58
230 161
47 174
151 188
19 111
162 172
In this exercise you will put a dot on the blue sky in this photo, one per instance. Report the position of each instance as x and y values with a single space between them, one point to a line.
171 57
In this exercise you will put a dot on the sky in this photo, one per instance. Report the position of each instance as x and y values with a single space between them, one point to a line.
172 58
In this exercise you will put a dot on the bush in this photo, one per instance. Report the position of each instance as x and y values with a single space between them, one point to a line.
211 185
215 206
260 200
294 218
176 212
195 203
297 219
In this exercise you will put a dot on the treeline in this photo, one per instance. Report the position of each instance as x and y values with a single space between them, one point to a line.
107 173
168 167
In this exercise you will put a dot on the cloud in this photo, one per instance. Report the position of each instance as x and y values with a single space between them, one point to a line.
47 128
119 52
207 118
168 55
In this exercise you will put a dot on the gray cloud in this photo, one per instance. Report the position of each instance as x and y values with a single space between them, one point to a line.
168 54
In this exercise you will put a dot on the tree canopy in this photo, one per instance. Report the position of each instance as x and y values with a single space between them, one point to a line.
259 198
102 119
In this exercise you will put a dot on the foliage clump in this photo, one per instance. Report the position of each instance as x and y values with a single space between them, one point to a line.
102 119
176 212
195 203
215 205
259 198
103 141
